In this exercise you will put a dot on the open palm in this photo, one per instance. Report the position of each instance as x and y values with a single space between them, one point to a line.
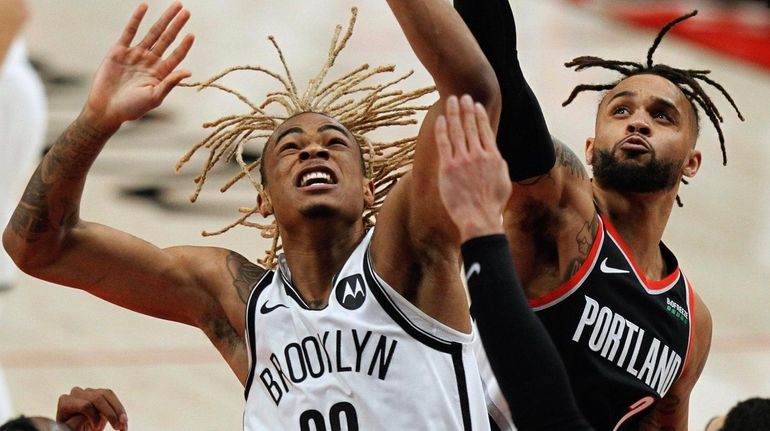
133 80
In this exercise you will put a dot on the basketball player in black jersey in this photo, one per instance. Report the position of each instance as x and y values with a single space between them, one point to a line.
415 247
633 335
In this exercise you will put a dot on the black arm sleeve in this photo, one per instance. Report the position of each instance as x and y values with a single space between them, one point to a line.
525 361
522 137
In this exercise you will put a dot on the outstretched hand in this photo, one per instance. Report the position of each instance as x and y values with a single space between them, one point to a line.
91 410
473 177
133 80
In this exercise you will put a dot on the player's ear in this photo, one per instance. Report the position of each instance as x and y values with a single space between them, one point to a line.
589 151
368 193
264 205
692 164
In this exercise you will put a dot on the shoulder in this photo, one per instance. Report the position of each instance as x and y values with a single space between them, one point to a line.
219 271
244 274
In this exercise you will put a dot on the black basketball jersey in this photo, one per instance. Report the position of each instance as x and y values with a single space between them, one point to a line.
624 339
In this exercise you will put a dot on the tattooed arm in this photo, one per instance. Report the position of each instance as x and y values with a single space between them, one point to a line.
551 223
46 237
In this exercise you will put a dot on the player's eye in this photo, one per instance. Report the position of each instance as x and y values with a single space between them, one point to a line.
621 110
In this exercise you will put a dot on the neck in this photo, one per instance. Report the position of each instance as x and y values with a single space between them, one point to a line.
640 219
317 250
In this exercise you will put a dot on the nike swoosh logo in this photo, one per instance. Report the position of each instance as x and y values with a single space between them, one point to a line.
610 270
475 268
265 309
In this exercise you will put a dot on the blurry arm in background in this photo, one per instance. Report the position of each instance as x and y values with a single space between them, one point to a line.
13 15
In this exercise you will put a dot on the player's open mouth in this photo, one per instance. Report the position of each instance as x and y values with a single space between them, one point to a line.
316 176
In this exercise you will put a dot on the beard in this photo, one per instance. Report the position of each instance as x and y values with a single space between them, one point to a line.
632 176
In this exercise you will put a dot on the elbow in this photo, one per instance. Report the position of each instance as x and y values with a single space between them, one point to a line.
481 84
486 90
16 250
29 258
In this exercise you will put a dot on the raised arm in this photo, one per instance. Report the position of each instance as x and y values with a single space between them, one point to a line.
552 196
522 138
412 226
474 187
47 238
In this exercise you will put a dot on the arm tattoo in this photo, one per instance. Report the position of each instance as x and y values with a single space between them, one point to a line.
567 159
244 273
30 219
51 199
585 240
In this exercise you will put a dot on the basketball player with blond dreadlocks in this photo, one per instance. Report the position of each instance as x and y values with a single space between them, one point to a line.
632 333
354 328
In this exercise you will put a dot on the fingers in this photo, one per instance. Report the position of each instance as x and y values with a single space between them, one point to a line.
487 136
180 52
97 405
455 126
467 127
71 406
172 79
468 114
170 33
169 83
133 25
160 26
443 144
110 408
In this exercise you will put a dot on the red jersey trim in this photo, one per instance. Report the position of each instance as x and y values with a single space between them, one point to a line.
560 293
691 310
652 286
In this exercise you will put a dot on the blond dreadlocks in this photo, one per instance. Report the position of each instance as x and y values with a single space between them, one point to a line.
361 108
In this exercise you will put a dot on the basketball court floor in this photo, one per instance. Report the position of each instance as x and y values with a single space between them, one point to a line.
170 378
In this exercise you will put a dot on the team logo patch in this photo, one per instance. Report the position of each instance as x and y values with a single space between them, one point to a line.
350 292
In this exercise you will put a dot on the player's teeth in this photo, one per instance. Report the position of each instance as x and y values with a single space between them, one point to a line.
316 175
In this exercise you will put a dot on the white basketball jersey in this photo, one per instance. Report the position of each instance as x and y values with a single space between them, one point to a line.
368 361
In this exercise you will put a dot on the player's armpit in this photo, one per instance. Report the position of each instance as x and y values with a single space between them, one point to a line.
544 215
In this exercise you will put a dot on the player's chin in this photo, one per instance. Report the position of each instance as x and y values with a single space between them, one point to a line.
320 210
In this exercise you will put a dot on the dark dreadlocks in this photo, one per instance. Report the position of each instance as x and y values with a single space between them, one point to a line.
686 80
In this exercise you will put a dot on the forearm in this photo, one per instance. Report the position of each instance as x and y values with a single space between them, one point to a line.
520 351
446 49
523 137
50 205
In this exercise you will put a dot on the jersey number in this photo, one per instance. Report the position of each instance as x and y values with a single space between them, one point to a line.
335 418
634 409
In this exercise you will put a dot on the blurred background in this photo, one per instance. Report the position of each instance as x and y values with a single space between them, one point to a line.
170 378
